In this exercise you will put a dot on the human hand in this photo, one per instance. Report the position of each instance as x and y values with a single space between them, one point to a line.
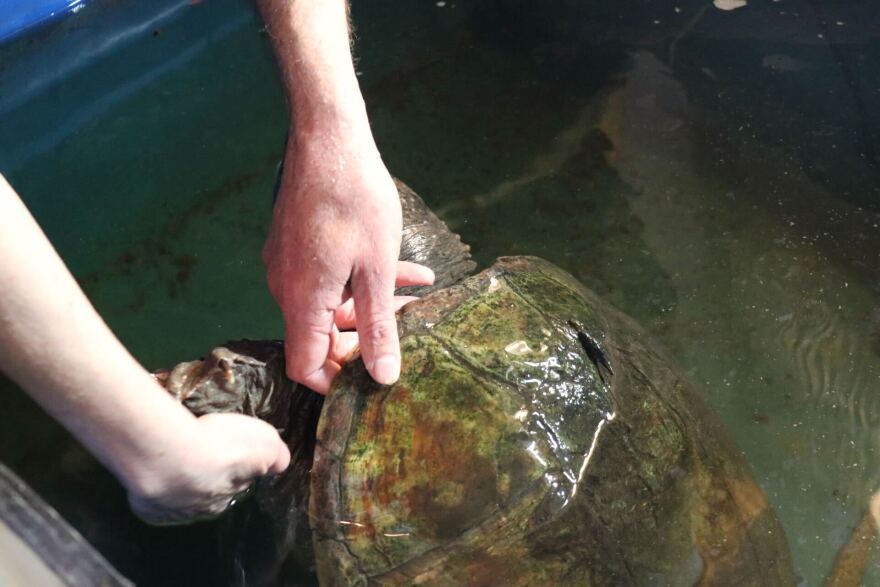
210 465
176 467
335 237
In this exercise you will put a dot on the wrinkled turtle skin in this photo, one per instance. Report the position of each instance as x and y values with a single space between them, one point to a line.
536 436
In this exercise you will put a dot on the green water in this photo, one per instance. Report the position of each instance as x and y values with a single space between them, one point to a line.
709 172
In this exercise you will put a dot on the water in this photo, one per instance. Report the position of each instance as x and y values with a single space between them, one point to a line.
712 173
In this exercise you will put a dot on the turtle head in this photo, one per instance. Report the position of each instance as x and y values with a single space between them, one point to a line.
245 377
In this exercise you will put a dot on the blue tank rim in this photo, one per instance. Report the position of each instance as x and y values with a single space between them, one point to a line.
20 17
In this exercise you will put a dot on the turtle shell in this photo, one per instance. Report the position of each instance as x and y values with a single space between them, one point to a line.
536 436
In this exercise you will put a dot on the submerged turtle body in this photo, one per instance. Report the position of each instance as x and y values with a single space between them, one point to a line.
536 437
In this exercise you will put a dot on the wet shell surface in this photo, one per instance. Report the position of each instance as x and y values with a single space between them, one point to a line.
536 436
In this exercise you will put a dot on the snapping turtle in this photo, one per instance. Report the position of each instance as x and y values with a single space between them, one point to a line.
536 436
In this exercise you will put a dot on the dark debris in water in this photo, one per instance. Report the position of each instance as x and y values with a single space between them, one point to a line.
759 418
161 258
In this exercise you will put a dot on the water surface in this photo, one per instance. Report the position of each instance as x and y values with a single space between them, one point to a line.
713 173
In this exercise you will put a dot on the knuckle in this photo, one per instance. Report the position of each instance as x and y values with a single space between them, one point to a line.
315 319
379 331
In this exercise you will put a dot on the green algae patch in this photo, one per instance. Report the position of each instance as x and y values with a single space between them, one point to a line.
536 436
426 458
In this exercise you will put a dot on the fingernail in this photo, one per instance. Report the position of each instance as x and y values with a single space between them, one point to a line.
385 370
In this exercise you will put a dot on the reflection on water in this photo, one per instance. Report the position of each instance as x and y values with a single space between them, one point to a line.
714 173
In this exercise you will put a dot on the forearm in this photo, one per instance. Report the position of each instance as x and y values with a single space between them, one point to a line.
311 43
336 225
54 344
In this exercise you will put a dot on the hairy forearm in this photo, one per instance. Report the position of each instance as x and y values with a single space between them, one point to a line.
337 220
54 344
311 43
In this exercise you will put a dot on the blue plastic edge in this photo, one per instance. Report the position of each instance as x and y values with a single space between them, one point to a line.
18 17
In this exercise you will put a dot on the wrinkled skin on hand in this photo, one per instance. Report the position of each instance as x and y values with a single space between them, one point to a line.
218 462
335 237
